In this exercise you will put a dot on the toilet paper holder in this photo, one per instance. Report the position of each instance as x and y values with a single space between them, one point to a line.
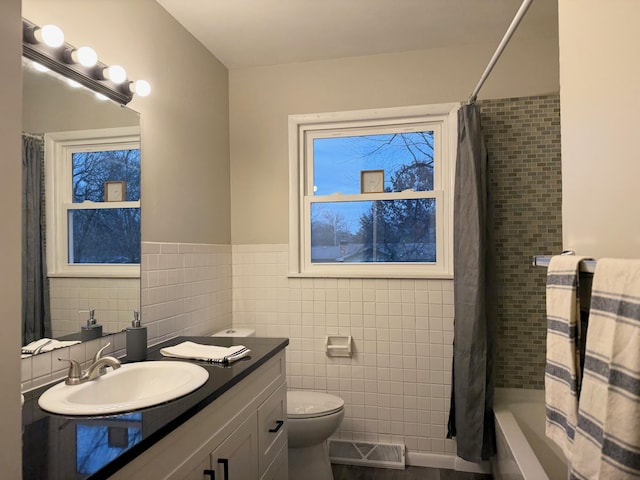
338 346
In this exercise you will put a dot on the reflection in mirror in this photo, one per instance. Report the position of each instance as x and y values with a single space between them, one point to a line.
100 169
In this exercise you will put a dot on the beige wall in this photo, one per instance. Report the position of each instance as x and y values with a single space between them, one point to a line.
600 100
262 98
185 135
10 244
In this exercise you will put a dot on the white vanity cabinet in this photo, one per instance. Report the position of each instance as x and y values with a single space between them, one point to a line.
272 434
242 435
237 456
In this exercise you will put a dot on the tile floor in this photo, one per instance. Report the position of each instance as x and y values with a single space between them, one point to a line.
350 472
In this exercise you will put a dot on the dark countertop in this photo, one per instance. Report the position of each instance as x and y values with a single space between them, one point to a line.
57 447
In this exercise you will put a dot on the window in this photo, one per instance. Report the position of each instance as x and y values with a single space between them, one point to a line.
102 440
371 192
93 202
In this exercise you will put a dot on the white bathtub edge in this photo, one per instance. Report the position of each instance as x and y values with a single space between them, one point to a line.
449 462
524 456
505 396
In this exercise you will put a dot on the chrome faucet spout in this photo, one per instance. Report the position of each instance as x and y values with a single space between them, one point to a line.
76 376
96 369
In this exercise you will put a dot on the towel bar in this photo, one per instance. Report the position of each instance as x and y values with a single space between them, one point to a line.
586 266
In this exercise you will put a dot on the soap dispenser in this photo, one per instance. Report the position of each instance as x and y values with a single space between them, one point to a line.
136 340
92 329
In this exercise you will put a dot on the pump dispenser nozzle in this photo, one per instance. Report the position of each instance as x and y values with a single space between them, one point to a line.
136 319
92 329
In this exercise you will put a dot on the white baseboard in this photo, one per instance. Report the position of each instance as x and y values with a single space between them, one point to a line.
449 462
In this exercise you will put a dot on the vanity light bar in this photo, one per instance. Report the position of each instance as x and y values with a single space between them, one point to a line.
63 59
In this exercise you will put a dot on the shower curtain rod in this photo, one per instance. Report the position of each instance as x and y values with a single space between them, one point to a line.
505 40
33 135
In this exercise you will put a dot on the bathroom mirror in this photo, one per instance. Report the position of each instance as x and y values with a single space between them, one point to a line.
50 107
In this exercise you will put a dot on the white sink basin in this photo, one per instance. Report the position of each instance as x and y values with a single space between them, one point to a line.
130 387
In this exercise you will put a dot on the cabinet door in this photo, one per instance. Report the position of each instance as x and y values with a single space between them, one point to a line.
198 473
279 468
272 426
237 457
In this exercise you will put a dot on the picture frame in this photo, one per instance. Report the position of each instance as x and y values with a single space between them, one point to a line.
371 181
115 191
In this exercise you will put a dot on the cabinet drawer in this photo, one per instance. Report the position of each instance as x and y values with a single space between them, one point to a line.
272 427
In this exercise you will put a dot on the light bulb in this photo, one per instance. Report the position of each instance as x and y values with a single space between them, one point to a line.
85 56
51 35
116 74
140 87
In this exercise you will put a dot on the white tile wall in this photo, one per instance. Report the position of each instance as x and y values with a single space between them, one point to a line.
45 368
186 290
396 387
113 299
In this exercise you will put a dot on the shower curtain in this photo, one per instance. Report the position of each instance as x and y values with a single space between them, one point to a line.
36 321
471 414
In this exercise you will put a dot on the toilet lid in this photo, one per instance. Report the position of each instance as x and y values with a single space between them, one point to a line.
301 404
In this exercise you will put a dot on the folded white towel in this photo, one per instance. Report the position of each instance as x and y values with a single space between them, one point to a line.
45 345
207 353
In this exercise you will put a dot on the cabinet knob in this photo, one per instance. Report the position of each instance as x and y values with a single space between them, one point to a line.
279 424
211 473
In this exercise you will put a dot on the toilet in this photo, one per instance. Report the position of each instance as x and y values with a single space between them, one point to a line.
235 332
312 418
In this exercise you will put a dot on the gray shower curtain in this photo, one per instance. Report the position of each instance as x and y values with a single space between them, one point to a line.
471 413
36 321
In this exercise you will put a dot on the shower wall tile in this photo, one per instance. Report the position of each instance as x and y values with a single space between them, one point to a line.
397 385
523 140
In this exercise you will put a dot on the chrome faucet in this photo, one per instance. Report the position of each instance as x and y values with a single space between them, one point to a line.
76 375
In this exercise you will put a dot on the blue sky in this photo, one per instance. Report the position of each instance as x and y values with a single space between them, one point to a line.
338 162
337 165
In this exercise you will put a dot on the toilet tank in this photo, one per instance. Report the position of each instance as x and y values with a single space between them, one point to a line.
235 332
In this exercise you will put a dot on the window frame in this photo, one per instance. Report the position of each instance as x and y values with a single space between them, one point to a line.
59 148
442 117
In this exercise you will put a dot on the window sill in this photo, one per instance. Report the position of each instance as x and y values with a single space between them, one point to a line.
373 276
95 274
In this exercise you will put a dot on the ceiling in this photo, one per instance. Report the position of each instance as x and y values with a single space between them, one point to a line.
250 33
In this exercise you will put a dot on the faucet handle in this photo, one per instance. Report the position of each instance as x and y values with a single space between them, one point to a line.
75 371
98 354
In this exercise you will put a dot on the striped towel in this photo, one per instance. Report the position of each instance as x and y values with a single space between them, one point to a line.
45 345
607 442
206 353
562 371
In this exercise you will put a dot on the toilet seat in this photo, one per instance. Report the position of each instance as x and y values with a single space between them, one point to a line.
303 404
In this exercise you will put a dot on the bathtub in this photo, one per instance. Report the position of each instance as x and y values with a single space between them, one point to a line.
524 452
